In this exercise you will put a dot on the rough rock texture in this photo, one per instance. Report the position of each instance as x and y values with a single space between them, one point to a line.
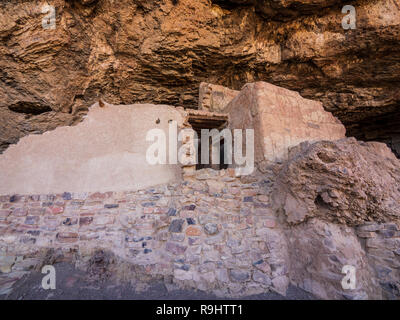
159 51
331 204
184 233
340 200
344 181
318 252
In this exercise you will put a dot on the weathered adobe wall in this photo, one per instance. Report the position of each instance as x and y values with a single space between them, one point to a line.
213 232
105 152
281 119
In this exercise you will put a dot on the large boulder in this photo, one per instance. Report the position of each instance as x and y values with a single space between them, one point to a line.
339 201
345 181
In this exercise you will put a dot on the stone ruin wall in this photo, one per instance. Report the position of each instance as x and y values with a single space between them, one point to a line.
107 151
214 97
281 119
207 232
212 231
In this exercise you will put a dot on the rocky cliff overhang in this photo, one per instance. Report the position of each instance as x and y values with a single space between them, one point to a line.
159 51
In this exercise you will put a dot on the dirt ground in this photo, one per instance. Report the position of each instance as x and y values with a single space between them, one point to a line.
72 284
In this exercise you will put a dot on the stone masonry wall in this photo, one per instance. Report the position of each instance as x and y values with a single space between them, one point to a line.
213 231
382 245
208 232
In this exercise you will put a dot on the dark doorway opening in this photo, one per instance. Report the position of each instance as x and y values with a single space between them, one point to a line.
209 120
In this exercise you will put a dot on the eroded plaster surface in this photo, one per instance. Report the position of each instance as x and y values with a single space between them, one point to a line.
105 152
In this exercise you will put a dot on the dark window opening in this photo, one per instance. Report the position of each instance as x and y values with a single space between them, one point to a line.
206 120
221 165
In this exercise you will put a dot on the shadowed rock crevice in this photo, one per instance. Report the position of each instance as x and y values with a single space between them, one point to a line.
285 10
30 108
384 128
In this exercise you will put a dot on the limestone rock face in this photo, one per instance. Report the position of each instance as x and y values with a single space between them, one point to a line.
318 252
340 202
344 181
160 51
